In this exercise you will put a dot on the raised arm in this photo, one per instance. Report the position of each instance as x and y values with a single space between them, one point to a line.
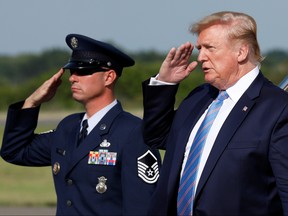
177 66
45 92
159 99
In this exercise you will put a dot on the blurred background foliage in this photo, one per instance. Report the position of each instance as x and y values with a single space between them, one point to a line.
22 74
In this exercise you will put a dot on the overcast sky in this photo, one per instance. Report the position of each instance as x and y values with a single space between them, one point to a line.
36 25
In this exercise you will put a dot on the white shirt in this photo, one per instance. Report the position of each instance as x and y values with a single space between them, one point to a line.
94 119
234 92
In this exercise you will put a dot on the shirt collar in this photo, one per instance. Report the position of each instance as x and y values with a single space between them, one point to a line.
94 119
237 90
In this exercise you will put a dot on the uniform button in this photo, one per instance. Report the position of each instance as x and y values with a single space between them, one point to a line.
69 181
69 203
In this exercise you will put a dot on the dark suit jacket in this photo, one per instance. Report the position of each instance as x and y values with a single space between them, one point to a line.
247 170
76 180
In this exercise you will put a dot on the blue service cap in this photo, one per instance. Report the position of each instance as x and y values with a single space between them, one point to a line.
89 54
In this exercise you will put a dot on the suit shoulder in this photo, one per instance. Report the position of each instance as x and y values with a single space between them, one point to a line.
71 118
129 117
275 93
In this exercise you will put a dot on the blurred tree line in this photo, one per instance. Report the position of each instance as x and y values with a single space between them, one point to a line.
22 74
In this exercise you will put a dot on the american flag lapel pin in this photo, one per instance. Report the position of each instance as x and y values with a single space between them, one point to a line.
245 108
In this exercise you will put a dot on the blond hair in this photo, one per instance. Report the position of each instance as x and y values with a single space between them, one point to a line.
240 27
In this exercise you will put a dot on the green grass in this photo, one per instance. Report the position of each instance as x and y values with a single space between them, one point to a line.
26 186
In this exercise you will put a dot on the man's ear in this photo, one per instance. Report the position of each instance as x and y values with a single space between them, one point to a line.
243 52
110 77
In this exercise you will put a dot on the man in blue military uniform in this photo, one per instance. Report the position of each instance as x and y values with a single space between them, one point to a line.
110 171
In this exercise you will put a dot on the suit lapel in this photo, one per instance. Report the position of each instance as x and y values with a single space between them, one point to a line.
93 140
73 132
229 128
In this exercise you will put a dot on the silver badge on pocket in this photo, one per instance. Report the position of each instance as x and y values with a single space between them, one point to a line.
101 187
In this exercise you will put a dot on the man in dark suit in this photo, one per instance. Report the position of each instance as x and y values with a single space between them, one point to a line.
240 165
111 171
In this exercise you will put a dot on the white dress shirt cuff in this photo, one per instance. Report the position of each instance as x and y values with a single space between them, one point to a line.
155 82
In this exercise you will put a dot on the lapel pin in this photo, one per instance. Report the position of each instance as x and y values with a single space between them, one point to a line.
245 108
102 127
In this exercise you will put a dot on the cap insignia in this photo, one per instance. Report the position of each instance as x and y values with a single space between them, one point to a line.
74 42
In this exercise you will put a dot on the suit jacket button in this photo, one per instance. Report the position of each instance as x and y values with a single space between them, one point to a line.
69 182
69 203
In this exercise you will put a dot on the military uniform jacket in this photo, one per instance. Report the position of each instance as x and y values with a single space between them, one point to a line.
116 177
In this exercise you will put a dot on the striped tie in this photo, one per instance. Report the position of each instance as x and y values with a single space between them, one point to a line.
187 185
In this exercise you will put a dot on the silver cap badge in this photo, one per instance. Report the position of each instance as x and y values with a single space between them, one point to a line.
74 42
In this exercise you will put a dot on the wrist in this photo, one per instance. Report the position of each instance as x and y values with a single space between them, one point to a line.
28 103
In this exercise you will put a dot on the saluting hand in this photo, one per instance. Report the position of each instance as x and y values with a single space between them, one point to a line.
176 66
45 92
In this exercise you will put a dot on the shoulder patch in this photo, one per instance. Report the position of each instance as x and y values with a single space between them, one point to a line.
148 169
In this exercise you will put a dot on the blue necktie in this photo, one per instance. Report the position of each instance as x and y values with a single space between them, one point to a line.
83 132
187 185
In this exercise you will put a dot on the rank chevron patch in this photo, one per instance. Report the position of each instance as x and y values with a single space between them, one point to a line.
148 169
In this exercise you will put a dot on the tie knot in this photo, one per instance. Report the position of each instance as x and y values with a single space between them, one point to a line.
83 133
222 95
85 124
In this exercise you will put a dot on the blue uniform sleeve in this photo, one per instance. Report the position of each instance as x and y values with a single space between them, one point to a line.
21 146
